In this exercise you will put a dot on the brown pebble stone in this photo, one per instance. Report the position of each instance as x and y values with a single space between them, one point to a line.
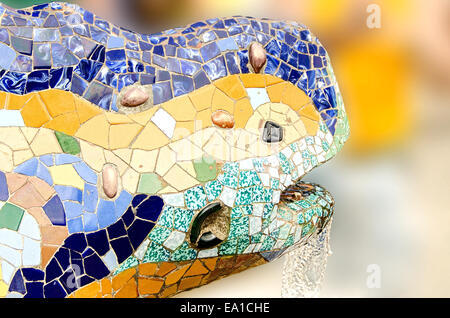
222 119
110 181
257 56
134 97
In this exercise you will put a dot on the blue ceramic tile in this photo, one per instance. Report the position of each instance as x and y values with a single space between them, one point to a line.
90 222
28 168
55 211
86 173
7 57
90 198
106 213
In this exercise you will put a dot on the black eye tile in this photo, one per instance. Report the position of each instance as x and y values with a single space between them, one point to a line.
272 132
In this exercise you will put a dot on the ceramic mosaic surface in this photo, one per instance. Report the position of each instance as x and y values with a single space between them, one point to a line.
137 165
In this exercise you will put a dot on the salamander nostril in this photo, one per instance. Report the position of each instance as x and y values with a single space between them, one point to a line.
272 132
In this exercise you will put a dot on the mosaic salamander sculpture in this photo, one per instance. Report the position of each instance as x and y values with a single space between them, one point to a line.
138 165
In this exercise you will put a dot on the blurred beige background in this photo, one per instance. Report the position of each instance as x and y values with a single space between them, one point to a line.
391 181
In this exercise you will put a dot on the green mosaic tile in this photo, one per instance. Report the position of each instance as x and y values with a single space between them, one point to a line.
205 169
159 234
68 144
183 253
274 183
268 244
286 165
239 227
128 263
244 196
228 247
248 178
182 219
10 216
228 180
258 164
289 241
149 183
156 253
231 167
167 216
213 190
195 198
243 243
256 238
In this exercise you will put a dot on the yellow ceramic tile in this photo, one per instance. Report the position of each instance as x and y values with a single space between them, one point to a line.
166 159
116 118
67 123
58 102
95 130
151 137
143 117
232 86
34 112
239 154
6 161
167 189
188 166
130 180
185 150
270 79
202 98
143 160
66 175
29 133
120 136
203 119
3 97
12 136
222 101
311 126
45 142
243 111
3 289
218 147
21 156
115 160
253 80
124 154
310 112
183 129
295 97
92 155
199 138
291 133
179 179
17 101
85 109
276 91
181 108
280 119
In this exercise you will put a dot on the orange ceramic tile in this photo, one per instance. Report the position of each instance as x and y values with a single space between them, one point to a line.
270 80
143 117
147 269
34 112
210 263
47 253
148 286
17 101
128 291
310 125
176 275
67 123
44 189
222 101
169 291
202 97
165 268
120 136
15 181
85 109
197 269
294 97
53 235
95 130
181 108
89 291
120 279
253 80
276 91
106 286
243 111
3 98
151 137
57 101
183 129
190 282
232 86
203 119
310 112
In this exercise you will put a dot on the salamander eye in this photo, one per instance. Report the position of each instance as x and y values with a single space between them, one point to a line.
272 132
210 226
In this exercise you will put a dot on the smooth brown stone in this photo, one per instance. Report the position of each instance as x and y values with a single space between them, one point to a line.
222 119
257 56
110 181
134 97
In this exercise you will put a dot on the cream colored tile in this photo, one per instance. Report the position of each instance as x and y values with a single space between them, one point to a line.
179 179
185 150
21 156
45 142
14 138
92 155
144 161
6 158
166 159
130 180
